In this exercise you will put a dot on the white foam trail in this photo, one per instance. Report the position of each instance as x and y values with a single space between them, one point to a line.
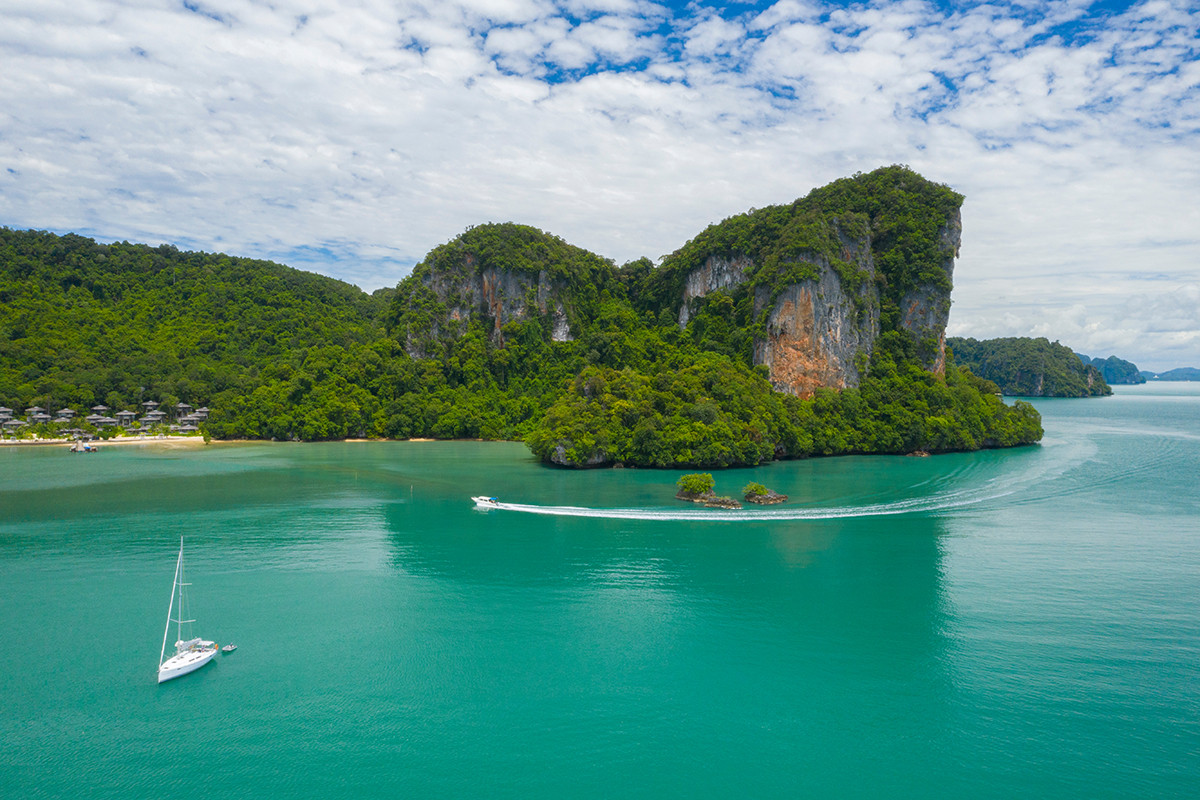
1051 461
909 506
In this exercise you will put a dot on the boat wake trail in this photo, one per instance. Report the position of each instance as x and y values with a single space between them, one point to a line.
1036 473
933 503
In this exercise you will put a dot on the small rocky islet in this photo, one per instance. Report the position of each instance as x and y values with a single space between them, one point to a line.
698 488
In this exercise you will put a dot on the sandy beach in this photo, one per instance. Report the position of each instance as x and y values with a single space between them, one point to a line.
165 441
185 441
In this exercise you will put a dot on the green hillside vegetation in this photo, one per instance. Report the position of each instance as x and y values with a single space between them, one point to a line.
1028 367
718 412
281 354
275 352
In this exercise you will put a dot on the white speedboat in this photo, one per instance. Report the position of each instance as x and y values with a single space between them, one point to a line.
190 654
486 502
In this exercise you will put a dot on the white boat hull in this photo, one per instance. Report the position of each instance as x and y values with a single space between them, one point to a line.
486 502
183 663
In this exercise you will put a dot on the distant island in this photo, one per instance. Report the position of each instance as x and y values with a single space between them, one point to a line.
1116 371
1036 367
1028 367
1180 374
811 328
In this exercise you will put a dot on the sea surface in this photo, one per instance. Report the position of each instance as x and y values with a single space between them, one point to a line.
1018 623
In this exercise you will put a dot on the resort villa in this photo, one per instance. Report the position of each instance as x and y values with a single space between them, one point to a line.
181 418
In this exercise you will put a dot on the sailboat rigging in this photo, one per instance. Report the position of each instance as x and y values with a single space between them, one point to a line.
192 653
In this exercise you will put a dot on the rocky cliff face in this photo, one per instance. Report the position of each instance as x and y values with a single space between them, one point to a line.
500 296
494 274
817 328
926 309
814 283
715 273
814 334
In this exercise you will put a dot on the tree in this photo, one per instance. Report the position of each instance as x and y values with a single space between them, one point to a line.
696 483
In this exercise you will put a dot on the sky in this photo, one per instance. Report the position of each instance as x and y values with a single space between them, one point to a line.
349 137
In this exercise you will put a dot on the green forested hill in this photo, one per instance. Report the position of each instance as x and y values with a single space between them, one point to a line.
1027 367
86 323
283 354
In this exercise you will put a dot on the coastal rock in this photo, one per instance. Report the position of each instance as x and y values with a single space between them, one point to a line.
722 502
768 499
708 500
597 459
823 284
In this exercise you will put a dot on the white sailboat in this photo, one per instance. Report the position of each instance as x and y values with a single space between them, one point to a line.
190 654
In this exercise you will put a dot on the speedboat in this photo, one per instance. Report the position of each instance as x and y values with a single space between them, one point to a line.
486 502
229 648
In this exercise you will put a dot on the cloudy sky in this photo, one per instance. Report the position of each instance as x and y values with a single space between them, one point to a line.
349 137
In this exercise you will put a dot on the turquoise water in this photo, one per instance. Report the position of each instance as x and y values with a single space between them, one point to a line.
1000 624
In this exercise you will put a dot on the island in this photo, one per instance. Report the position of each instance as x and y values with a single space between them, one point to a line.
1029 367
812 328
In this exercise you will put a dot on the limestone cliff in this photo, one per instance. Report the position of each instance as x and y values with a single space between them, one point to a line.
499 296
814 335
810 287
715 273
495 274
925 308
826 285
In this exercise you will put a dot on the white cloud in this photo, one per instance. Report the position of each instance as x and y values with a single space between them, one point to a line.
377 129
713 36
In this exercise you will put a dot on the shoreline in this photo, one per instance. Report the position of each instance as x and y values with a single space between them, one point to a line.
173 441
124 441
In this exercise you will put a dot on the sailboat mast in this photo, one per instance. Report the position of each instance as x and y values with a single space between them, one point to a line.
182 611
171 605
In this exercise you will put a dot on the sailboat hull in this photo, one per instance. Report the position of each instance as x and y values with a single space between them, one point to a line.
183 663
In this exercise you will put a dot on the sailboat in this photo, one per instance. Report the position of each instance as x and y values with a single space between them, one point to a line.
190 654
